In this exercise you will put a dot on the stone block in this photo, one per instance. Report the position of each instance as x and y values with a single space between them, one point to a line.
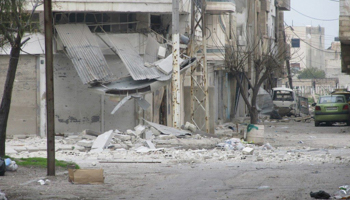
166 137
148 135
248 151
139 129
19 149
10 150
150 144
85 143
20 136
155 131
123 137
88 137
35 149
102 141
72 139
90 132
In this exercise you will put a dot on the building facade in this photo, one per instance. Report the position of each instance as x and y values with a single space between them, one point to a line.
146 25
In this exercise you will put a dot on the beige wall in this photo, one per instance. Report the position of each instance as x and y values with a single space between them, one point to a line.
23 111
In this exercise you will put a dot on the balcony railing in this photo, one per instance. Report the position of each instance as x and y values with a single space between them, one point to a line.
220 6
284 5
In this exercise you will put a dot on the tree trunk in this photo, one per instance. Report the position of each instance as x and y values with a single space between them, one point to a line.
254 115
7 94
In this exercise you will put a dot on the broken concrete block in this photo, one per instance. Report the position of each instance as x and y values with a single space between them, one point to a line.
142 149
103 140
64 148
150 144
155 131
89 137
129 144
190 126
166 137
34 149
123 137
78 148
148 135
90 132
139 129
72 139
130 132
248 151
19 149
224 132
85 143
58 137
10 150
20 136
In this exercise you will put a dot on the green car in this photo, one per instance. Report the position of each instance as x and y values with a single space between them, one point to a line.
330 109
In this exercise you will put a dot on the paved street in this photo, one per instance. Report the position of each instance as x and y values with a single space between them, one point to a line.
304 159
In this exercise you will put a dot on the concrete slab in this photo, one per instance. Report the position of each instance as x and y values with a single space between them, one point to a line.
19 149
102 141
85 143
150 144
10 150
35 149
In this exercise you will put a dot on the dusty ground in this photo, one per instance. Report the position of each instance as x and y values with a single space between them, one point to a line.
290 171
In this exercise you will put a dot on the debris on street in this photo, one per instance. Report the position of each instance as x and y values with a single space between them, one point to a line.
320 195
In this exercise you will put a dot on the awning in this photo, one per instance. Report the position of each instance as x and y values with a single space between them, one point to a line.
82 48
132 60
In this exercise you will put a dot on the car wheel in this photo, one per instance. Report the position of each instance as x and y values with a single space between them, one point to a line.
317 123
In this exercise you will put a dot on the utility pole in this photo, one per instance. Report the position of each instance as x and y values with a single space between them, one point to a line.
287 57
205 68
199 72
49 88
176 83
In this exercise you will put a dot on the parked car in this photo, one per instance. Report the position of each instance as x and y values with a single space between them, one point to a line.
332 108
284 100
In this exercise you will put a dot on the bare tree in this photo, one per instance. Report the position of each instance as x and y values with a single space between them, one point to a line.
253 64
15 20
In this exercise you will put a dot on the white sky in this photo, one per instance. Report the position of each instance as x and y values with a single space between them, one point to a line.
317 9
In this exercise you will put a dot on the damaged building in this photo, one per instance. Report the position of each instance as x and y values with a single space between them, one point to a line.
113 65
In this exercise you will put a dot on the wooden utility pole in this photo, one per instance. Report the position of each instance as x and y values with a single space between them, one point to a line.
49 88
287 57
176 83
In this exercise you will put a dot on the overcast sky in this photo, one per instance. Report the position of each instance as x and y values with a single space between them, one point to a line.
318 12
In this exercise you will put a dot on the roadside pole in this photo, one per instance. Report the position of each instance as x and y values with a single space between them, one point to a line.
49 89
176 83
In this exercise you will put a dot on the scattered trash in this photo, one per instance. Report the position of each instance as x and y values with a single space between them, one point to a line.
86 176
10 165
2 196
267 146
343 192
263 187
320 195
44 182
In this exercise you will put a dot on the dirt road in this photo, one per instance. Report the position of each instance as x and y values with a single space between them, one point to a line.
304 159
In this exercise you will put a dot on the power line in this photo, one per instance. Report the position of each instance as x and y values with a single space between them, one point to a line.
305 41
315 18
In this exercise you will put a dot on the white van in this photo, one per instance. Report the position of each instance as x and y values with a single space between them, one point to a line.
284 100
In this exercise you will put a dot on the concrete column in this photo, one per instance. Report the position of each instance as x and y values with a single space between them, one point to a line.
42 99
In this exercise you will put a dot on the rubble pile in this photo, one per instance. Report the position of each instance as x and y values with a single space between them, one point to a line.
151 144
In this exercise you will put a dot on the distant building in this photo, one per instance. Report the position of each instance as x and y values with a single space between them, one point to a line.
307 47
